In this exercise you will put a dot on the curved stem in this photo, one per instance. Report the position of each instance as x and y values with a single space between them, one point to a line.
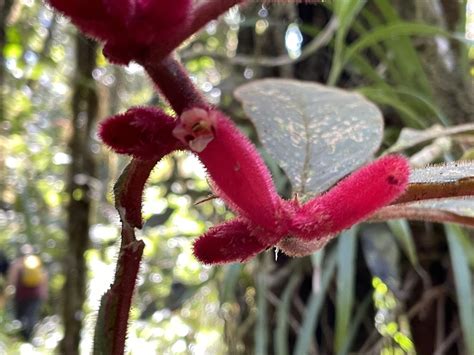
174 83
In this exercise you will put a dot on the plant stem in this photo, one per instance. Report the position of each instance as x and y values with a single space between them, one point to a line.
128 192
175 84
112 322
427 191
419 214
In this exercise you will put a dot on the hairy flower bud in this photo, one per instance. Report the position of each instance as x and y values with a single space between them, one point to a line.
144 133
239 176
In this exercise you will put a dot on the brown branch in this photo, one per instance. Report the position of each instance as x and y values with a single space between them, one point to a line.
428 297
431 152
112 321
420 214
111 327
174 83
5 7
427 191
428 135
128 191
448 342
79 207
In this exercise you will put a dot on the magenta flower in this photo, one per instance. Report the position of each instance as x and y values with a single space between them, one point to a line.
129 28
239 177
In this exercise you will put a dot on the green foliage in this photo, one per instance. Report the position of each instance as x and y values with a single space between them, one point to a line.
314 305
346 266
183 307
458 246
315 133
284 309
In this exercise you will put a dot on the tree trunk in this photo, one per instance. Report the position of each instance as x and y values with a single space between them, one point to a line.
5 7
80 183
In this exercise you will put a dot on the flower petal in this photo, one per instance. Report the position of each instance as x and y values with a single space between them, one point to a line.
238 173
227 242
353 199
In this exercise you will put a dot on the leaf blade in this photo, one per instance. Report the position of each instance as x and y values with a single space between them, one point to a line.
316 134
346 266
281 331
463 283
402 231
315 304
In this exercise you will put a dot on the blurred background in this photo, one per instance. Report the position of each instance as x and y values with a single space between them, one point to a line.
390 288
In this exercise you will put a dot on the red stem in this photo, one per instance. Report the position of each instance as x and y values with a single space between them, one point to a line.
167 73
175 84
128 194
111 328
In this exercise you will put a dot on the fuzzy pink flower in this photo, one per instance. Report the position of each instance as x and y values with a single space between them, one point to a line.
313 224
142 132
129 28
239 176
353 199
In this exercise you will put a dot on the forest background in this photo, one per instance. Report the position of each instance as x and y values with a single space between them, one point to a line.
388 287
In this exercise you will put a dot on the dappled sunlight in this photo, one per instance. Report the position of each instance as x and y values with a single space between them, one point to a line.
252 134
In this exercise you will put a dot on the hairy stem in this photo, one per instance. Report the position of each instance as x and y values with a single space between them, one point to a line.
111 327
175 84
128 192
112 321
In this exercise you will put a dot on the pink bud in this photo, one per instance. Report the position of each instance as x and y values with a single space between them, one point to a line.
145 133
